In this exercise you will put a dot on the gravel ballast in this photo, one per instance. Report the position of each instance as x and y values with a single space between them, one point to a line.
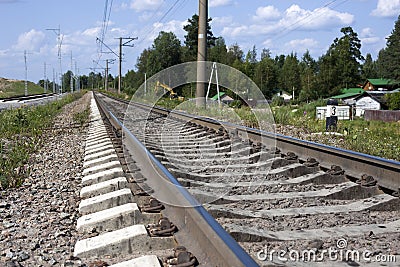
38 219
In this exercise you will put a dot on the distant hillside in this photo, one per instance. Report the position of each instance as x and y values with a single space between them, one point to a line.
9 87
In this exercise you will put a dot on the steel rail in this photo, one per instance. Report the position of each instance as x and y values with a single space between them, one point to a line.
198 230
28 97
386 172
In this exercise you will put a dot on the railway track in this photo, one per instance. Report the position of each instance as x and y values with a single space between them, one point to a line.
280 205
29 100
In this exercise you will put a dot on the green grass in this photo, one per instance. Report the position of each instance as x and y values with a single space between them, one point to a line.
21 135
17 88
372 137
82 117
377 138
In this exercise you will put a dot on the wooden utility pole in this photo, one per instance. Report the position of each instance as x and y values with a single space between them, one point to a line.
201 53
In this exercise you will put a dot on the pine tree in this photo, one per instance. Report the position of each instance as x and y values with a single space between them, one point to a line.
389 58
290 75
369 68
192 29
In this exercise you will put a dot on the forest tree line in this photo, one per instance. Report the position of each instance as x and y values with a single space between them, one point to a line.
342 66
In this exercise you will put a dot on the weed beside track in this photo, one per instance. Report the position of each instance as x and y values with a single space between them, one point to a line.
21 134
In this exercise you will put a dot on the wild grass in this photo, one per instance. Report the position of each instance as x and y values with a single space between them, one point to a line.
377 138
21 135
17 88
82 117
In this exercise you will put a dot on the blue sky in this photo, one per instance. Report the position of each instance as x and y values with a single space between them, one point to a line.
283 26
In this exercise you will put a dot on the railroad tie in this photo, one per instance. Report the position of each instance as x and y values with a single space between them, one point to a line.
111 221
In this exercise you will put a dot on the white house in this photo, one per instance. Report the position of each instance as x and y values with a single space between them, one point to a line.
285 95
368 100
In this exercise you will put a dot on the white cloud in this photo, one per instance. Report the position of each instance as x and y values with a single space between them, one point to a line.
4 52
216 3
234 31
31 41
301 44
268 43
319 18
174 26
123 6
145 16
267 13
92 32
294 18
221 21
366 32
145 5
368 37
370 40
387 8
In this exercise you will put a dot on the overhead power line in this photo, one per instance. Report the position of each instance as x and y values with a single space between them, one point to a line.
60 37
169 11
306 19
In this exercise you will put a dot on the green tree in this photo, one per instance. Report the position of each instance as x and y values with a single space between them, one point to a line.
381 64
192 29
340 67
66 78
326 80
346 51
132 80
369 70
250 62
279 61
393 101
218 52
290 75
308 69
144 65
143 61
389 57
265 53
95 80
165 52
235 53
265 76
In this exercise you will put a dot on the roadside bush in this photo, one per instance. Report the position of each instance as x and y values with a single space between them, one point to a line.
235 104
278 101
393 101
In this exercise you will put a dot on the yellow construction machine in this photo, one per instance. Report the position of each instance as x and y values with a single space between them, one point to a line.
172 94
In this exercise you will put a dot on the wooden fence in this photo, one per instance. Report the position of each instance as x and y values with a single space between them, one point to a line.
382 115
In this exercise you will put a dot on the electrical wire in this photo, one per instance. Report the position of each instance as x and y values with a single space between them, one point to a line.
104 28
286 30
150 32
